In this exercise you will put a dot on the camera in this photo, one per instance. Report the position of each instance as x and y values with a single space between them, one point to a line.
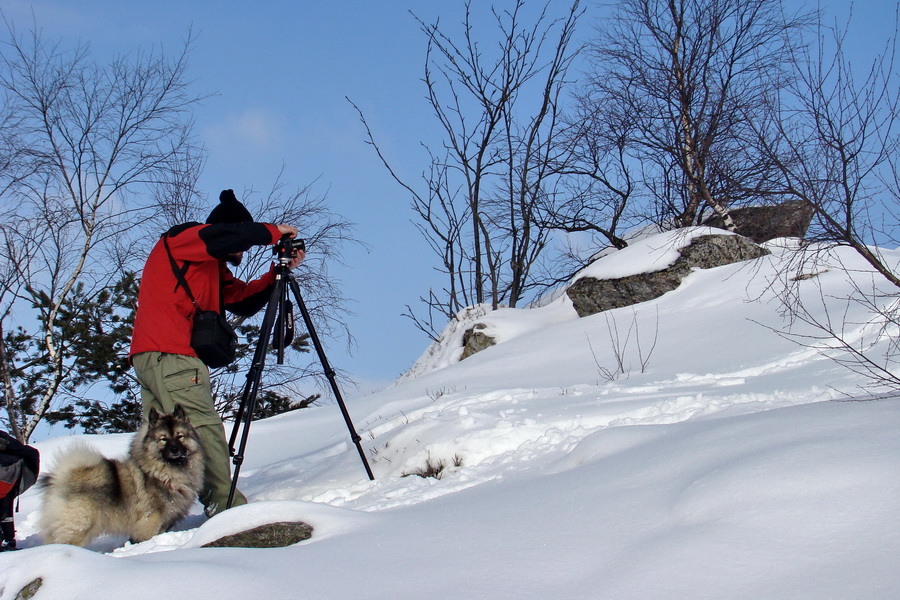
287 246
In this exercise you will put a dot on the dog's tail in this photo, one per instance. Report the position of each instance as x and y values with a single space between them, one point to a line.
74 456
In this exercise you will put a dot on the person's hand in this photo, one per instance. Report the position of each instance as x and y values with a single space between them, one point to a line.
286 229
296 258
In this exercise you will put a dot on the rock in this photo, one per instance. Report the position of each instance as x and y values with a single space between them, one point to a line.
28 592
764 223
474 340
271 535
590 296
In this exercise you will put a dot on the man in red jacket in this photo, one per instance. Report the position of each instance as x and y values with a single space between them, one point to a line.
165 364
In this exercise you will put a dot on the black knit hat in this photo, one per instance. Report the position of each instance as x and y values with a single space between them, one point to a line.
229 210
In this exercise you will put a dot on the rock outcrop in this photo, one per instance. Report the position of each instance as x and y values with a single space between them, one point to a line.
590 296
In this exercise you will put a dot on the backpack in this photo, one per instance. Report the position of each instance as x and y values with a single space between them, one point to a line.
19 465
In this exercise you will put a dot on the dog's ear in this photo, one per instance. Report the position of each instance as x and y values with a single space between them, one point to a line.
153 417
180 413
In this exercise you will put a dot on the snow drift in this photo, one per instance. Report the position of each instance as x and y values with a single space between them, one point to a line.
680 448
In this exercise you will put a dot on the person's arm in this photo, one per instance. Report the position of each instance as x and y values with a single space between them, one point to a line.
196 242
247 299
221 239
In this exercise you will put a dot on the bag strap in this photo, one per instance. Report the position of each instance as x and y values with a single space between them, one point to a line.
179 274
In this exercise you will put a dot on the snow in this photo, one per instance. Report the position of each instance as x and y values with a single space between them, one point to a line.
647 254
721 460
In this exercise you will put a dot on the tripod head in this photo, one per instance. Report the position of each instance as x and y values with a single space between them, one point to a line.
287 246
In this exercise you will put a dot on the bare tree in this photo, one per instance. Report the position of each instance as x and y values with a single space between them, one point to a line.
326 235
834 138
598 168
499 115
685 80
532 150
93 140
836 146
859 332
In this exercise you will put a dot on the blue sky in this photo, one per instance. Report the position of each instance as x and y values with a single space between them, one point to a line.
281 71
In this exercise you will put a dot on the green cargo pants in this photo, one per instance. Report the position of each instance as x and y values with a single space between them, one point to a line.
170 379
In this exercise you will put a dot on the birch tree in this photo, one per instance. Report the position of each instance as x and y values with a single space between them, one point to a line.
689 78
92 141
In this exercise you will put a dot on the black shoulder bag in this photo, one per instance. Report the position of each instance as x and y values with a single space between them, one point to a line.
212 337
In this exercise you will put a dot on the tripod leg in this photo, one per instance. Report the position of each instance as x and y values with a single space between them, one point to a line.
329 372
251 389
270 320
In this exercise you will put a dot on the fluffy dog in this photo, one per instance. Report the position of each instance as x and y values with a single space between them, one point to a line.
88 495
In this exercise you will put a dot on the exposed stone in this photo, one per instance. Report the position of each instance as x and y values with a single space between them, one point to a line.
590 296
271 535
764 223
475 340
28 592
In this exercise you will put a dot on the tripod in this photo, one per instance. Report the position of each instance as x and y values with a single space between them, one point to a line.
277 315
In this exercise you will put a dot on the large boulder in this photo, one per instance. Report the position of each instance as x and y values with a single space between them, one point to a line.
764 223
590 296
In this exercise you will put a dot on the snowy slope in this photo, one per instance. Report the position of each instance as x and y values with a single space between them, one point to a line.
721 461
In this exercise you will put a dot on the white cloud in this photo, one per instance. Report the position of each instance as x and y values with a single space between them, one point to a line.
252 129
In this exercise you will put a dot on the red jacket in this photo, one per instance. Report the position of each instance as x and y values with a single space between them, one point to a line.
165 312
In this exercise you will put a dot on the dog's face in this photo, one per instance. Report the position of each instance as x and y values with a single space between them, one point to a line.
172 436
